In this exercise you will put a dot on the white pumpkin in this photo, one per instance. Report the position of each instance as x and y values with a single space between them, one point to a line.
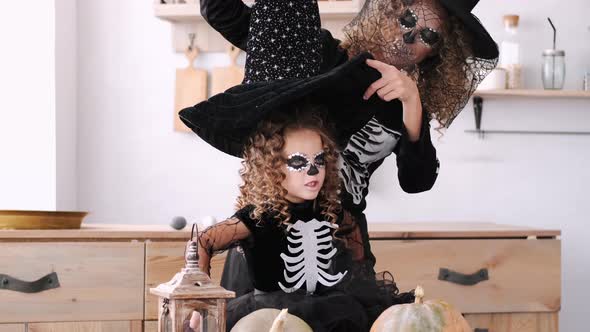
272 320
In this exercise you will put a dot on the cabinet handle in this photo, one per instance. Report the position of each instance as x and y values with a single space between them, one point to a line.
47 282
462 279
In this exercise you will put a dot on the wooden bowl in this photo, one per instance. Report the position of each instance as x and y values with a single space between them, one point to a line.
23 219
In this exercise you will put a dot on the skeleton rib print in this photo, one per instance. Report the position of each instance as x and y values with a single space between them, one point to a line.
310 252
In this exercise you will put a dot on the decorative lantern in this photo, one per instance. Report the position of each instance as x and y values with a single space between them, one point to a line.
191 290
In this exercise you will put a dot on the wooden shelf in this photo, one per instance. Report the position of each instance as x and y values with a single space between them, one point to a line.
191 12
186 19
480 95
178 12
533 93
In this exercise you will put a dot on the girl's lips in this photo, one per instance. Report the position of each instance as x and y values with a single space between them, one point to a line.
311 184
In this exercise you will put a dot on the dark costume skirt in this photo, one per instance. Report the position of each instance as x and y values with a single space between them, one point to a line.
333 310
352 305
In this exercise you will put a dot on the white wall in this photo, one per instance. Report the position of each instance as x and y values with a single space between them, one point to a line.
65 100
27 106
132 168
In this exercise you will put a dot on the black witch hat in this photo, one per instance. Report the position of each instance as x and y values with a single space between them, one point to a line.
483 44
284 56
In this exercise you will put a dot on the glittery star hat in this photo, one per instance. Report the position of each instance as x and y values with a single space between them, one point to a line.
284 40
284 66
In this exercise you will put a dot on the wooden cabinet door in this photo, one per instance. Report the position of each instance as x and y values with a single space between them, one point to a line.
475 276
97 281
13 328
150 326
110 326
515 322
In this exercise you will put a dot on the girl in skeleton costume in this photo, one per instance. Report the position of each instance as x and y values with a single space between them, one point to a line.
303 251
430 55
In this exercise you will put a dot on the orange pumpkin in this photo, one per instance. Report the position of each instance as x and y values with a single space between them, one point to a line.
421 316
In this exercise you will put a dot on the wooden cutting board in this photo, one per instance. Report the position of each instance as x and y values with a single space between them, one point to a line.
27 219
223 78
191 88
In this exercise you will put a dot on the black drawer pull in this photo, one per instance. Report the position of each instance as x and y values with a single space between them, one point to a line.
480 330
47 282
462 279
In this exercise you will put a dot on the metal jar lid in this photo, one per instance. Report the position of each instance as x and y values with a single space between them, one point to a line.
553 52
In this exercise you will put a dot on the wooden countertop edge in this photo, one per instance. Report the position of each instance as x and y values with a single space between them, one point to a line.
464 234
376 231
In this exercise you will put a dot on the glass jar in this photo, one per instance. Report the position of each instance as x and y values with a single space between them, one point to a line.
510 57
553 69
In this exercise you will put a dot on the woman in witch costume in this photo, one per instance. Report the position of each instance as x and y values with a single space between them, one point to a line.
439 44
430 55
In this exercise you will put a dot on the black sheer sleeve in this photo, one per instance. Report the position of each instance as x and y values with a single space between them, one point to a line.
218 238
417 163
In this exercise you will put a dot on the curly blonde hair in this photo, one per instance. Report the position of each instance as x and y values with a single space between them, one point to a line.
263 166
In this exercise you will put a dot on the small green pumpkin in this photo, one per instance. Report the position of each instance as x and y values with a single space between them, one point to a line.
421 316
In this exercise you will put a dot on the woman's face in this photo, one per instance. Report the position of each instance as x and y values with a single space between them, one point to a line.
405 32
305 165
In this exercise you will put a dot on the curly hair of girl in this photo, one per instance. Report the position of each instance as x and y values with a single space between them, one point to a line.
263 167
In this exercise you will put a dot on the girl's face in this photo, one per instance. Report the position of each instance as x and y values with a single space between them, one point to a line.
304 165
418 28
404 32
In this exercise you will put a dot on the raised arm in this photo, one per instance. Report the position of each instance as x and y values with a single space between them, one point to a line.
416 156
417 163
231 18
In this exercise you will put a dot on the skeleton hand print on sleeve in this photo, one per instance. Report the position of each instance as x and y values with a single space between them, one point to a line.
371 144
